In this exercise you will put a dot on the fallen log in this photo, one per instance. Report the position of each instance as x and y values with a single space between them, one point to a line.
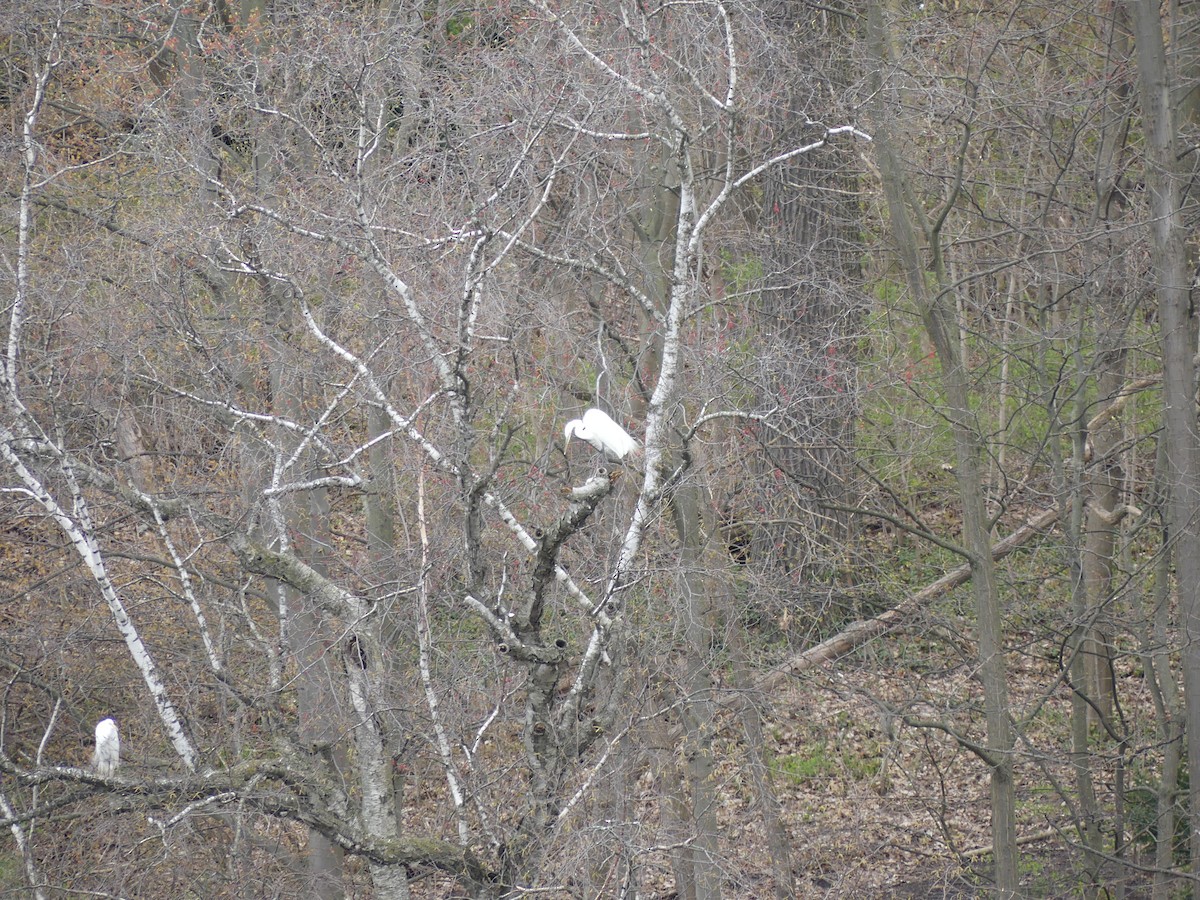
862 631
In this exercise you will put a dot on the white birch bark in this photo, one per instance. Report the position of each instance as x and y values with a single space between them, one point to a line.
21 433
79 531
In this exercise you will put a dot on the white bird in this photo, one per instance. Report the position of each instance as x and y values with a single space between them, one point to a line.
107 756
599 430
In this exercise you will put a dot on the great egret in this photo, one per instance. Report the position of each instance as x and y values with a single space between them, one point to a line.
107 756
602 433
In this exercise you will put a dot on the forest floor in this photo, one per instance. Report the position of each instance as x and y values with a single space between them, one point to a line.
876 808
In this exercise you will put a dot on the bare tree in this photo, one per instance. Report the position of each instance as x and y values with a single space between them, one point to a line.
341 358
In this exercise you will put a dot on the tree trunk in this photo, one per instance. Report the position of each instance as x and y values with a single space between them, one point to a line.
1067 436
1111 313
755 764
696 584
301 620
937 312
1103 490
1164 689
1178 324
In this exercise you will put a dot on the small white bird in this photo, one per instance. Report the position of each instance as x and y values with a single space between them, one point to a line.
107 756
599 430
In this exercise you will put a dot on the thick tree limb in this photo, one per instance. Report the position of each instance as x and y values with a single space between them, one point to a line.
862 631
251 782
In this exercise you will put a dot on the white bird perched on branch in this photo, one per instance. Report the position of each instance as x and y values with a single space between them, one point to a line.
599 430
107 756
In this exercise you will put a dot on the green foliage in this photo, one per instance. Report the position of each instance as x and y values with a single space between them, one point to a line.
457 24
1043 802
901 438
820 763
1043 879
741 274
887 291
1141 807
11 875
801 768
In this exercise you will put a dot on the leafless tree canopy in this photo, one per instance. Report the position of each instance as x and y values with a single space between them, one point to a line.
299 297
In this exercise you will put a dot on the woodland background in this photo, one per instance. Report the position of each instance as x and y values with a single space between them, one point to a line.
902 598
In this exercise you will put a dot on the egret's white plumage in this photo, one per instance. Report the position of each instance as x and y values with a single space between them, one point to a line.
107 755
599 430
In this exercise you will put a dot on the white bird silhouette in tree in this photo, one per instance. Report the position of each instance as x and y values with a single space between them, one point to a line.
599 430
107 756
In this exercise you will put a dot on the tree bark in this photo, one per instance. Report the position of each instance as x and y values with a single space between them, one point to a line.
696 582
1178 323
937 310
1164 689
